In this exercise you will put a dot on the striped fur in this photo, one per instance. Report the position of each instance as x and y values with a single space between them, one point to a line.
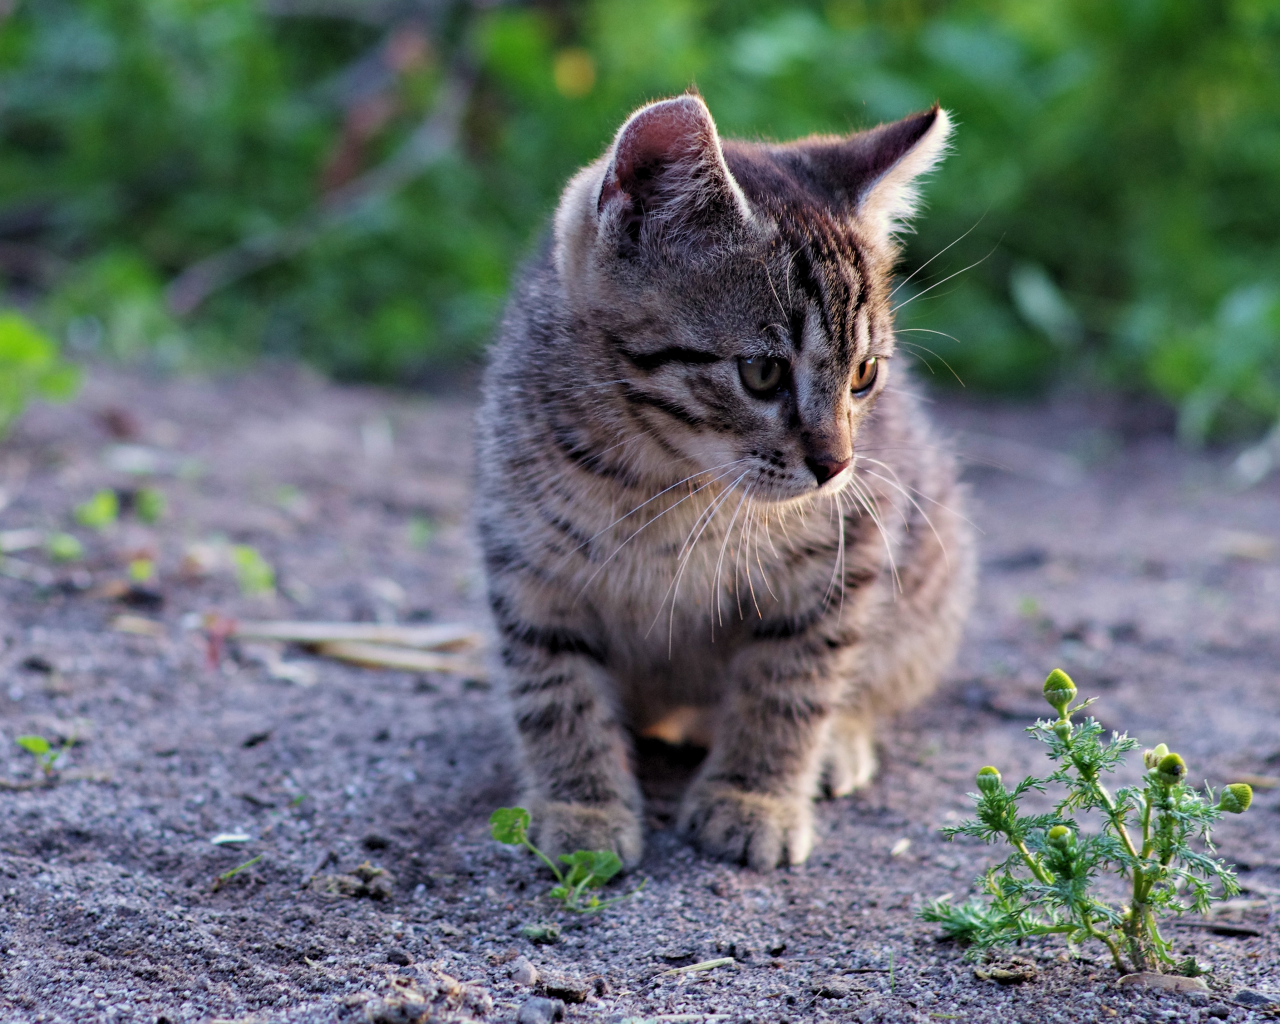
661 556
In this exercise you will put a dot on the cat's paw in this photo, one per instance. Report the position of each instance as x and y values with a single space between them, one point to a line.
564 828
849 761
755 829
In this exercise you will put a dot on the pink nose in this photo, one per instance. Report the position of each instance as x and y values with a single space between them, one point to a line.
824 467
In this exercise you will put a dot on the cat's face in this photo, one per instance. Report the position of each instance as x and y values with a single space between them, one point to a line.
738 295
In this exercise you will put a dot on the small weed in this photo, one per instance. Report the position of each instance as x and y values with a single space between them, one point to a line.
1047 884
141 570
253 572
226 876
586 869
47 756
30 367
421 530
100 511
62 547
150 505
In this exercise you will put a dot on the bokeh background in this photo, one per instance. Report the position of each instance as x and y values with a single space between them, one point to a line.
352 182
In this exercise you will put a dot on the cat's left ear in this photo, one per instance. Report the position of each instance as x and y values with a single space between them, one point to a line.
877 172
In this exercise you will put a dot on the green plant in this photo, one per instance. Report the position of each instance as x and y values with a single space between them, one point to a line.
100 511
253 572
30 367
1048 885
226 876
63 547
47 756
150 505
584 869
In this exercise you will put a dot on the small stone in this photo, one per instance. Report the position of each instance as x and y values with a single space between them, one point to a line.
777 947
833 988
399 956
675 954
540 1011
1219 1010
523 972
1249 997
571 990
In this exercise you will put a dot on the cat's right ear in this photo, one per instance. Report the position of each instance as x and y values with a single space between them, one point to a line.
666 182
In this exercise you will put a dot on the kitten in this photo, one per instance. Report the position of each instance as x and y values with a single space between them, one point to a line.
710 505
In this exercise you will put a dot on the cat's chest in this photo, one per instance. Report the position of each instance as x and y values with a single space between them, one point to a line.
694 570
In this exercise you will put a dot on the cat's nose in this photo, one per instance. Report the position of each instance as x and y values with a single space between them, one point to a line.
824 467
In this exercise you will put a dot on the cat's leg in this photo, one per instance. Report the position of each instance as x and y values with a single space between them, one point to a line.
579 788
753 799
849 762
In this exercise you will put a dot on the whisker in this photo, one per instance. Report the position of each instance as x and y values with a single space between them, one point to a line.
926 291
936 255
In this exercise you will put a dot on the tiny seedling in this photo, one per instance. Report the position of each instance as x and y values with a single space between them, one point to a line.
421 530
584 869
150 505
63 547
47 756
1048 884
100 511
226 876
253 572
141 570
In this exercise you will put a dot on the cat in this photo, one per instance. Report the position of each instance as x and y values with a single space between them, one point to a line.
710 506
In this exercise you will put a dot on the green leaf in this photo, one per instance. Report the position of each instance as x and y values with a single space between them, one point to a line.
63 547
100 511
37 745
150 505
254 573
509 825
591 867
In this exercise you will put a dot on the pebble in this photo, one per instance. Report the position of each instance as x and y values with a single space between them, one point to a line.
1219 1010
1248 997
540 1011
524 973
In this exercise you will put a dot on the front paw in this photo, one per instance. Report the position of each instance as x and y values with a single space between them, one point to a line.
755 829
564 828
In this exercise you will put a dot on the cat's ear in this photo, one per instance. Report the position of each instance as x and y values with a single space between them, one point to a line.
877 171
666 180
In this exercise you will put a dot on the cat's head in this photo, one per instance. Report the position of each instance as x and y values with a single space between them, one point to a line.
737 294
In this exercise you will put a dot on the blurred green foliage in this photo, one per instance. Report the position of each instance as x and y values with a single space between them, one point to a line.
30 367
1115 170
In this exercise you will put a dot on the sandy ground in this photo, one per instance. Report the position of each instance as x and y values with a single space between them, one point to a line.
1106 551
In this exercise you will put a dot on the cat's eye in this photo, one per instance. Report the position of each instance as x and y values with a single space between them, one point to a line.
761 375
864 376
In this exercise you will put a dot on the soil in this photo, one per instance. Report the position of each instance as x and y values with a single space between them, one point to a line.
1109 552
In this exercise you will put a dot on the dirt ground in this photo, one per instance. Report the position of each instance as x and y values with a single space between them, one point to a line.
1106 551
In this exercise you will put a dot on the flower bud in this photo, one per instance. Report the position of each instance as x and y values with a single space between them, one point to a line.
1151 758
1236 798
1059 690
1061 837
1063 730
989 780
1171 769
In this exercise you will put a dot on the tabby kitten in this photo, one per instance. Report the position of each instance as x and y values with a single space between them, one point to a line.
710 506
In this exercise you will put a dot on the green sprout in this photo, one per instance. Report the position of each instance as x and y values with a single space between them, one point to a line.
63 547
253 572
420 532
150 505
141 570
226 876
100 511
1047 884
585 869
47 756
